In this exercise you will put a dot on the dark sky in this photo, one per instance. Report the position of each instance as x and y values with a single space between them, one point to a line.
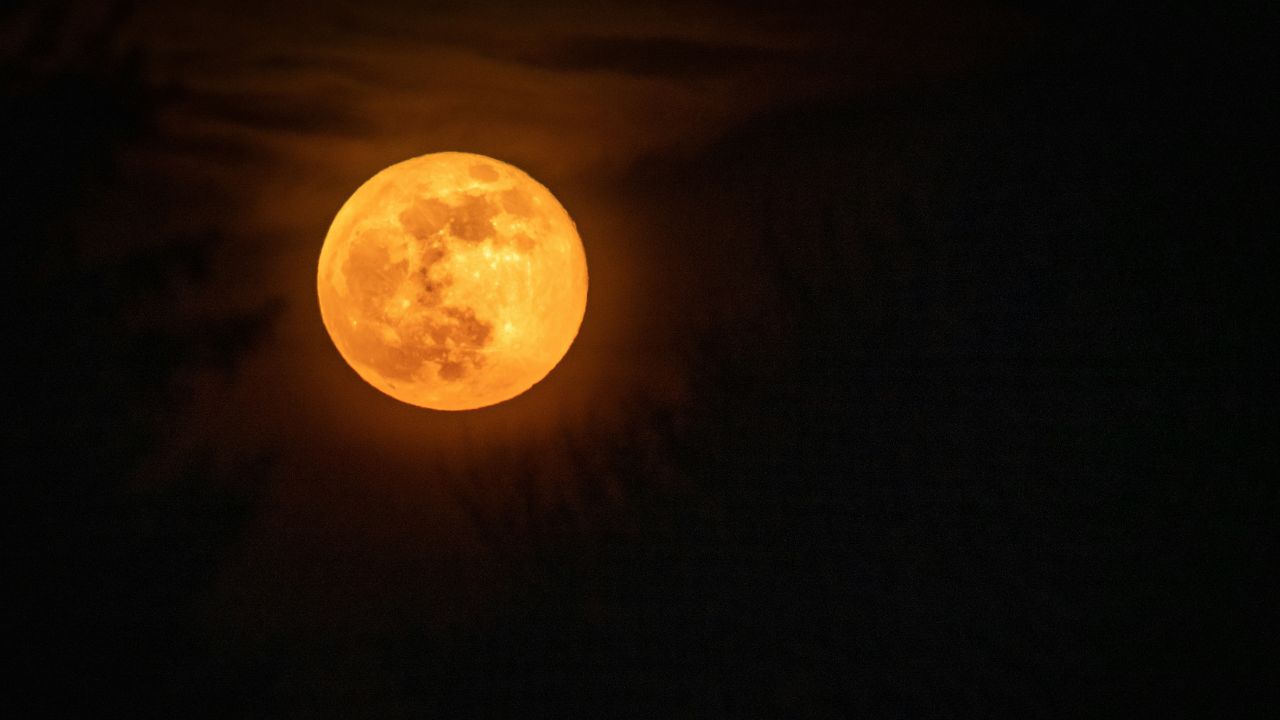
926 367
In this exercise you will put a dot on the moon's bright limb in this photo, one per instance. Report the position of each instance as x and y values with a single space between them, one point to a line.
452 281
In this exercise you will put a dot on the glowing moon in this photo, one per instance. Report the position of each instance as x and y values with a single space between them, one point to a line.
452 281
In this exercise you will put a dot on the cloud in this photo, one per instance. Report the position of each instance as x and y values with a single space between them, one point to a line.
295 106
568 90
313 114
664 57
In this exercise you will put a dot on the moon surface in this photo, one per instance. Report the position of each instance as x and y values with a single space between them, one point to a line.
452 281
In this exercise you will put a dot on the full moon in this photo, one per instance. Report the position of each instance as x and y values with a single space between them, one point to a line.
452 281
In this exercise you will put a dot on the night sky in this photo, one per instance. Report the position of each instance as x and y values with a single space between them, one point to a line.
927 367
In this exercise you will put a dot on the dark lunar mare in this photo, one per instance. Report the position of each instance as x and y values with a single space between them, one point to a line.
446 336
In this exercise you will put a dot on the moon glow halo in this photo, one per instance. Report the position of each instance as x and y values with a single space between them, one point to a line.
452 281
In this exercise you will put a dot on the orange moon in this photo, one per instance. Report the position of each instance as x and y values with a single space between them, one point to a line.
452 281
